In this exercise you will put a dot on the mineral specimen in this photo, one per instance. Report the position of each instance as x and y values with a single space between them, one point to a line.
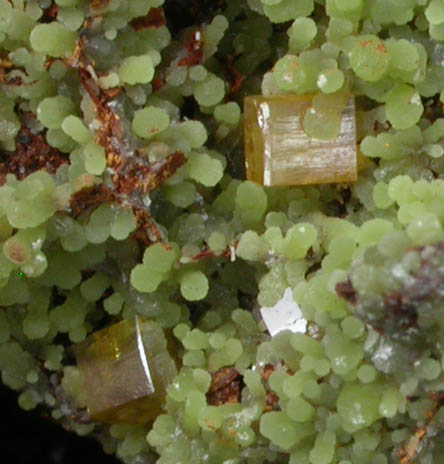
281 147
123 193
126 369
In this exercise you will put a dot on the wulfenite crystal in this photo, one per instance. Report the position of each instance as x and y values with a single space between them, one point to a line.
300 139
126 369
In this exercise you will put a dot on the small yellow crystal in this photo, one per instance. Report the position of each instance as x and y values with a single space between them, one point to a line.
126 369
278 149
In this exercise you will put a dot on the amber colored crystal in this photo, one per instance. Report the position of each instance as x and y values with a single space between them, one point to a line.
279 152
126 369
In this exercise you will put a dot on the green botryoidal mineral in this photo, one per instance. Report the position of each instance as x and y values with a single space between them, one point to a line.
123 196
398 292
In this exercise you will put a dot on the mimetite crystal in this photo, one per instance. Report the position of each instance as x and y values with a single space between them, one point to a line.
279 151
126 369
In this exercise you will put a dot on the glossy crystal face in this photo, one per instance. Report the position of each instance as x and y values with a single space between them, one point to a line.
278 150
284 315
126 369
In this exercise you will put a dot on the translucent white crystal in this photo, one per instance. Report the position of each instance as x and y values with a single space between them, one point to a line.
284 315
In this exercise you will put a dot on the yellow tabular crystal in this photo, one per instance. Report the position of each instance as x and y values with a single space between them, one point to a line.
126 369
279 152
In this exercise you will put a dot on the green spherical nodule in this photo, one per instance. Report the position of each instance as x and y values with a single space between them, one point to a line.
53 39
358 406
403 106
369 58
149 121
194 285
137 70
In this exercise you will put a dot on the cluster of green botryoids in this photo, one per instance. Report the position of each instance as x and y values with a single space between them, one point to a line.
123 193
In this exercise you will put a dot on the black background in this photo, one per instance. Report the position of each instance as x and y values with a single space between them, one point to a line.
27 438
